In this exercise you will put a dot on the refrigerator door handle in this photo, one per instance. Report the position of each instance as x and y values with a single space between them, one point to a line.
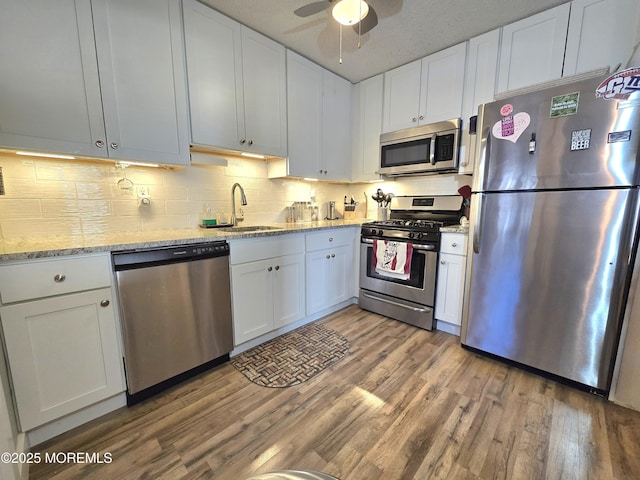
483 152
476 215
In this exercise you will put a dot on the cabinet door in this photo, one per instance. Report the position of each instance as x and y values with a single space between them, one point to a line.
318 275
442 84
63 354
450 288
288 289
532 50
252 293
480 87
401 97
304 108
141 60
214 76
368 96
601 33
336 130
265 93
340 287
49 87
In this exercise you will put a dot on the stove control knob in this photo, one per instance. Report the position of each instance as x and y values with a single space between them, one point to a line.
420 235
411 234
373 231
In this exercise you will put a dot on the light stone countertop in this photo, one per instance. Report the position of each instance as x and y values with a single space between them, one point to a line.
455 229
114 241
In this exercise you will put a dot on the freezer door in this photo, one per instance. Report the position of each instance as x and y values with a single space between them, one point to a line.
524 146
548 273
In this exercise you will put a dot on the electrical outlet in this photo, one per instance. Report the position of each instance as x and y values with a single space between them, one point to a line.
143 192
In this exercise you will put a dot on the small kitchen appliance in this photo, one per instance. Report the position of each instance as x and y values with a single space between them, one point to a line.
414 225
554 228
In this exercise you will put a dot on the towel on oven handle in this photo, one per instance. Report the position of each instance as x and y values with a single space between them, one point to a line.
392 259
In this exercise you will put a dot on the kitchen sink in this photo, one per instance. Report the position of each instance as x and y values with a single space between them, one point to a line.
252 228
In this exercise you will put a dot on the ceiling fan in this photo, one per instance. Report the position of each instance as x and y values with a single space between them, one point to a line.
356 13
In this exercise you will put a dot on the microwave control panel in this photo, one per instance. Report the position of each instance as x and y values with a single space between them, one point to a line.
444 147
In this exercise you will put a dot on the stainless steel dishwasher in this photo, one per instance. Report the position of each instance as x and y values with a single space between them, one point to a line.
175 308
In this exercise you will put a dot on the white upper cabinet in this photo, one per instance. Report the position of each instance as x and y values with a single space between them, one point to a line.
424 91
532 50
442 84
480 87
237 84
53 93
304 109
141 65
367 124
336 130
601 33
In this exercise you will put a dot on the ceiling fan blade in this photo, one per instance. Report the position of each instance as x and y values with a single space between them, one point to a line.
368 22
312 8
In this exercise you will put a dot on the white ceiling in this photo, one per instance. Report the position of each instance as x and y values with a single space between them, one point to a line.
406 30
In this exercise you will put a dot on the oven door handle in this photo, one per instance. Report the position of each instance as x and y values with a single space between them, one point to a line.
397 304
416 246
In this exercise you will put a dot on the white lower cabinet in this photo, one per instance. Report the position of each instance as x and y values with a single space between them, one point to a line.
267 285
330 270
62 350
450 281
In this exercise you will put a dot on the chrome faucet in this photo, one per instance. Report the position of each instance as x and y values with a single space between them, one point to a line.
243 199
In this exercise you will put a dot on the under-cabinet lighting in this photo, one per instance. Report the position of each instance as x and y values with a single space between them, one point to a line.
136 164
47 155
253 155
310 179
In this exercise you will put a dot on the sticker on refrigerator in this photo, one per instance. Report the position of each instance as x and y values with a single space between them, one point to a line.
511 126
564 105
580 139
620 85
615 137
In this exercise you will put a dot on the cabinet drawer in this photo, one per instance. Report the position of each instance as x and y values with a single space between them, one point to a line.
46 278
329 238
454 243
251 250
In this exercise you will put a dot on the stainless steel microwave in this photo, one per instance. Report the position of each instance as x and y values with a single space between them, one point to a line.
423 150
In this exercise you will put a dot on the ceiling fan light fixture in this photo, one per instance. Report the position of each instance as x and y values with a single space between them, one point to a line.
350 12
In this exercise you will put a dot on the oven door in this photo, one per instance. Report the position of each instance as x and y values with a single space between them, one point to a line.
419 288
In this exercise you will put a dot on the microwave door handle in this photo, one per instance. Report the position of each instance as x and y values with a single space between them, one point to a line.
432 150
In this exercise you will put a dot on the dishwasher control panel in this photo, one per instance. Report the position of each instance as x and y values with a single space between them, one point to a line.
148 257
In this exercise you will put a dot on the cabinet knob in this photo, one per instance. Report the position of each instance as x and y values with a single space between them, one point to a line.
414 119
325 172
277 267
104 303
114 145
421 117
442 262
99 143
269 269
331 239
242 140
327 257
59 278
250 142
454 244
333 255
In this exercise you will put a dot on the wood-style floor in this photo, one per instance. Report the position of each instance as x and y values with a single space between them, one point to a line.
403 404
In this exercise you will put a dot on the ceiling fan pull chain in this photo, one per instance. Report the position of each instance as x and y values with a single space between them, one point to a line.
340 60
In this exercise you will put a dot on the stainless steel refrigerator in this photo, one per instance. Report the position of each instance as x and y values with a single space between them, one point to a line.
554 214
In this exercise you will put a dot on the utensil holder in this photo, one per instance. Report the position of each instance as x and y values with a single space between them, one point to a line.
383 214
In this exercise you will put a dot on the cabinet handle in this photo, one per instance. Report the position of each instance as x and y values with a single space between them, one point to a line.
442 262
454 244
242 140
114 145
59 278
269 269
104 303
99 143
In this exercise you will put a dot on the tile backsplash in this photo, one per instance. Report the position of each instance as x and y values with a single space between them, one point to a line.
45 197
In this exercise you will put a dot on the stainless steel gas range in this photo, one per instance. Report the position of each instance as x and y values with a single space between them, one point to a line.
399 258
